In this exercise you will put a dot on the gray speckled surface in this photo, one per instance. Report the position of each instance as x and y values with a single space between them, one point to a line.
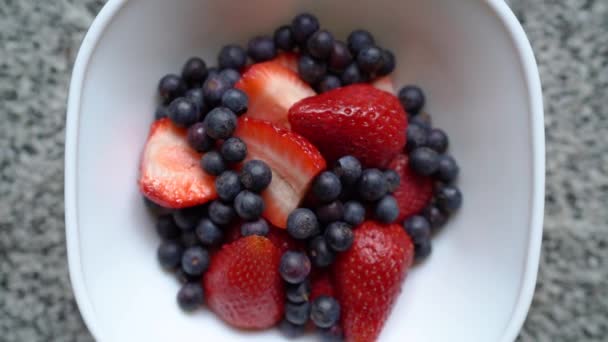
38 42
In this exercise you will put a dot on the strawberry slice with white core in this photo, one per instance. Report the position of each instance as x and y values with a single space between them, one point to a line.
385 83
272 89
288 60
170 169
294 162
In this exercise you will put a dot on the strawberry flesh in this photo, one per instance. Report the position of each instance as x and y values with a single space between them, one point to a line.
414 191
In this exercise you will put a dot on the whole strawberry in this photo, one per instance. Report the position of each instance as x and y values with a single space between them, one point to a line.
368 278
357 120
414 191
243 285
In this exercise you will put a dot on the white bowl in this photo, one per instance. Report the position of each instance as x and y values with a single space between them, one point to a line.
474 62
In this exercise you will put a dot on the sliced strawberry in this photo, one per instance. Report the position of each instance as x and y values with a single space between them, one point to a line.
414 191
385 83
293 160
288 60
170 170
272 90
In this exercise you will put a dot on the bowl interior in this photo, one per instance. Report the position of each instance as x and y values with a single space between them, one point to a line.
460 53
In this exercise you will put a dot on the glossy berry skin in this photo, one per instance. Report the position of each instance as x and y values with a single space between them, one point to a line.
214 88
198 138
258 227
331 334
302 224
372 185
166 227
320 44
354 213
233 150
294 267
388 63
421 119
422 250
187 218
327 187
297 313
256 175
261 49
339 236
418 228
412 98
359 39
169 254
298 293
189 239
236 100
340 57
209 233
248 205
197 96
414 192
330 212
183 112
424 161
325 311
416 136
162 111
392 179
329 82
349 169
228 185
387 209
170 87
448 169
436 217
320 253
232 57
351 75
291 330
303 26
212 163
437 140
220 123
310 69
449 198
231 76
283 38
194 71
190 297
220 213
195 261
369 59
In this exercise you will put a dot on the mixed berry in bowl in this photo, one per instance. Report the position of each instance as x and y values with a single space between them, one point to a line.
293 187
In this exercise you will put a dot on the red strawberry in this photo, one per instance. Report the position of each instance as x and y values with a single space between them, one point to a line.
384 83
170 170
414 191
288 60
272 90
294 162
321 285
368 278
283 241
243 286
359 120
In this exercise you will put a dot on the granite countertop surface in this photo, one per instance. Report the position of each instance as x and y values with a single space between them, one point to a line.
38 43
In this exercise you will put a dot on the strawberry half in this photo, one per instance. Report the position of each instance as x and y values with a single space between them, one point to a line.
359 120
414 191
288 60
384 83
293 160
170 171
272 89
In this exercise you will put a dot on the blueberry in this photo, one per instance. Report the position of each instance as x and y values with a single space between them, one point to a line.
418 228
169 254
388 63
325 311
320 44
359 39
257 227
190 296
232 57
387 209
372 185
392 179
422 250
412 99
349 169
291 330
321 254
294 267
195 260
185 278
448 169
213 72
170 87
351 75
261 48
330 212
233 150
183 112
329 82
331 334
339 236
235 100
231 76
198 138
155 208
424 161
248 205
303 26
339 57
297 313
208 233
302 223
214 88
283 38
189 239
194 71
298 293
256 175
449 198
416 136
369 59
213 163
311 70
166 227
436 217
437 140
220 123
187 218
422 119
354 213
162 111
197 96
220 213
327 186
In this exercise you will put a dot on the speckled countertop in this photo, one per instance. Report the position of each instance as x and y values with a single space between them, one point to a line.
38 43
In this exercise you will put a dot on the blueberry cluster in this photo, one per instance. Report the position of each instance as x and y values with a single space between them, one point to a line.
327 63
323 311
428 156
